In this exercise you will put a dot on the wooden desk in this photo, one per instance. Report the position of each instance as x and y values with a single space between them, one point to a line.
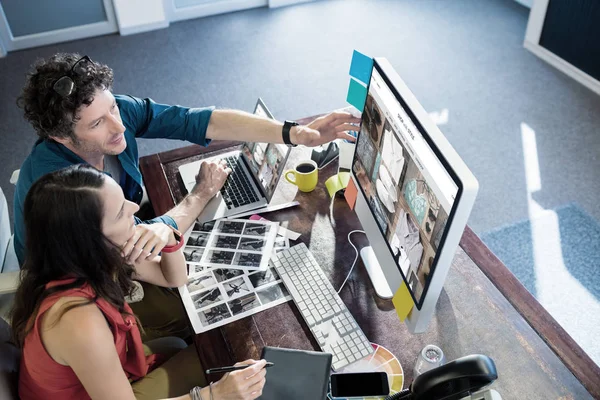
473 315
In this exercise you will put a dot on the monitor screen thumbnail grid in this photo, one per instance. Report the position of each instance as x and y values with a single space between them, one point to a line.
409 201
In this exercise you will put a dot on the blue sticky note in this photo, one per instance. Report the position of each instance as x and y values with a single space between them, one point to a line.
361 66
357 94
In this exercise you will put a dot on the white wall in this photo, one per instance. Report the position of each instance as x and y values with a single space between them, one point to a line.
135 16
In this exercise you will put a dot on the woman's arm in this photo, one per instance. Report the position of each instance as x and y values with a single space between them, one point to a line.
167 270
82 340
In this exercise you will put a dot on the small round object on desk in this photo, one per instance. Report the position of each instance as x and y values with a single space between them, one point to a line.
429 358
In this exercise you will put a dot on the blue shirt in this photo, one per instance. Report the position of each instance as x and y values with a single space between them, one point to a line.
142 118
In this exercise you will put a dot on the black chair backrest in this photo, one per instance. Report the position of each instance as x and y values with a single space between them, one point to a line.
9 363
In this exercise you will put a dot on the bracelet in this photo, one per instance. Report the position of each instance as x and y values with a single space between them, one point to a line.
172 249
178 245
195 393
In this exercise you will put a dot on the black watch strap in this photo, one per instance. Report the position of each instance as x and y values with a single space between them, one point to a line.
285 132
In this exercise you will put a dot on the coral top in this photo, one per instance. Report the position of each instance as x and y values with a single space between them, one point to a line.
41 377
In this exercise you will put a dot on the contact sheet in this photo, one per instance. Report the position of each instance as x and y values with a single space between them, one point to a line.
239 244
229 272
216 296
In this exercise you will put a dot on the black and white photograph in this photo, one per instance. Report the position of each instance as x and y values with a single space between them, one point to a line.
195 269
204 226
224 242
201 282
198 239
207 297
251 260
272 293
214 314
231 227
226 274
193 254
256 229
256 244
243 304
281 243
263 277
220 257
236 287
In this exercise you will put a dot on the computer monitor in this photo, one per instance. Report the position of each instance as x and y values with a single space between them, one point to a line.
415 194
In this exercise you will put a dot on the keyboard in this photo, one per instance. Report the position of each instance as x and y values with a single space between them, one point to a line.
329 320
237 190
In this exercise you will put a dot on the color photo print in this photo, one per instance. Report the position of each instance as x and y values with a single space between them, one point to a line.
216 296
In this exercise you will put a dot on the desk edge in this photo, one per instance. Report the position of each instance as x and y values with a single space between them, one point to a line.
563 345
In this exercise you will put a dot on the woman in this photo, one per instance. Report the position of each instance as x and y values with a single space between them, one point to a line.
79 337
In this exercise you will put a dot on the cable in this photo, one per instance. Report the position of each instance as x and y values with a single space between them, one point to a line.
355 258
404 395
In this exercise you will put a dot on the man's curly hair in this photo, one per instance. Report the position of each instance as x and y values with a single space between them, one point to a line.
49 113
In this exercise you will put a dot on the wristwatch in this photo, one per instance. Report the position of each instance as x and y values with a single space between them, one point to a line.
285 132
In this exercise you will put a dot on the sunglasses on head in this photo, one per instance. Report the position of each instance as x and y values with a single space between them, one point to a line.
65 85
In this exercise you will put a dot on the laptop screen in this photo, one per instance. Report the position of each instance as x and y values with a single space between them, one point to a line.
266 160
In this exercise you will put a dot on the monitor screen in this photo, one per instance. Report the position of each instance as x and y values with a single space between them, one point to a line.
409 187
266 160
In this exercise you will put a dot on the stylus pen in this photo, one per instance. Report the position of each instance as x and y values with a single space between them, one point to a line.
221 370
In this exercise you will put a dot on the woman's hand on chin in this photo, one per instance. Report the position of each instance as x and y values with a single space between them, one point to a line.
146 242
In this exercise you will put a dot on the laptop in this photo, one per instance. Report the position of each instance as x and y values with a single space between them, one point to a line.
255 171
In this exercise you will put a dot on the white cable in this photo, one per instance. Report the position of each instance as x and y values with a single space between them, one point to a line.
355 258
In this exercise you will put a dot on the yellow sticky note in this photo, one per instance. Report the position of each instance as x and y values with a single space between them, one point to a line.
337 182
344 178
403 302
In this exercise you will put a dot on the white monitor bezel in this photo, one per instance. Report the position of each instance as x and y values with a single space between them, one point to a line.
419 318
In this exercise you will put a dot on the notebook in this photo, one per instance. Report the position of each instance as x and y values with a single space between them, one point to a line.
296 375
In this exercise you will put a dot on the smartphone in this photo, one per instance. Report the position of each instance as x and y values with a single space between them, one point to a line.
360 384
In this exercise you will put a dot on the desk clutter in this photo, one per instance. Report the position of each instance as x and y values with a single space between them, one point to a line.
230 275
381 360
240 267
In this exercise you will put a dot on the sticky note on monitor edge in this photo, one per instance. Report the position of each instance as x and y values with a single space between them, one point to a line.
361 66
403 302
350 194
336 183
357 94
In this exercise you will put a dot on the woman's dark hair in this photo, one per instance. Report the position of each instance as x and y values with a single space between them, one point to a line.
63 224
51 114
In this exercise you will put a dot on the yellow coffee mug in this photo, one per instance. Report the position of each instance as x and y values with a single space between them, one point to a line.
306 175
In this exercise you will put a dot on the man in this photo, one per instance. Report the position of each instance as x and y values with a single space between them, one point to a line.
68 101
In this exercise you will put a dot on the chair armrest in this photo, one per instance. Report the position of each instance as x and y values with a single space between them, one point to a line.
9 281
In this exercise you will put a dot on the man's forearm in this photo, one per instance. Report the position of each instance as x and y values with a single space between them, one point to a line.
245 127
186 212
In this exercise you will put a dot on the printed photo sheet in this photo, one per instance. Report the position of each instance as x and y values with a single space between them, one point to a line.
217 296
237 244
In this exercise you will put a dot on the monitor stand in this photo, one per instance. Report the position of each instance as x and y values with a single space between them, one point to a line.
382 289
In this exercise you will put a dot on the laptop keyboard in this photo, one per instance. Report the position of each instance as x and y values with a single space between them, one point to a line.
237 190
